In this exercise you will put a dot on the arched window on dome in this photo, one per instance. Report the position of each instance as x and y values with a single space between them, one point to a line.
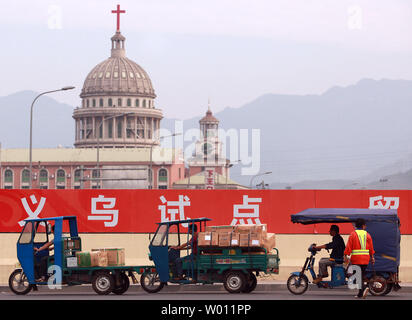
110 102
94 102
119 102
101 102
144 103
87 103
150 103
129 102
137 104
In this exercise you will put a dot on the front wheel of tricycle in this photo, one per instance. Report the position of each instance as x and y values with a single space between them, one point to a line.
150 282
297 284
18 282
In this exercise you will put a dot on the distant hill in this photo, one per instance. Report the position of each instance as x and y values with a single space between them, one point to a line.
53 124
342 134
346 136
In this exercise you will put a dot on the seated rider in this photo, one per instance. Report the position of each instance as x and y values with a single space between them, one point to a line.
192 243
338 247
41 267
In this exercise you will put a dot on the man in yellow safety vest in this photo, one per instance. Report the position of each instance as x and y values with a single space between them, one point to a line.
360 248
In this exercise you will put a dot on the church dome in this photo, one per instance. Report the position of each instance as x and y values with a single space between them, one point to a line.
118 75
118 104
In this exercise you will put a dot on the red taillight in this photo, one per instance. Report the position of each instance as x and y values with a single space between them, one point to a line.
152 270
141 270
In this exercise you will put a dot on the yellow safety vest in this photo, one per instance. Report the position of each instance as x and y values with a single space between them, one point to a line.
362 235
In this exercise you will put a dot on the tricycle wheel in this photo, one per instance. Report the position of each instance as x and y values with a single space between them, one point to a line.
102 282
124 284
378 286
234 281
251 283
18 282
297 284
150 282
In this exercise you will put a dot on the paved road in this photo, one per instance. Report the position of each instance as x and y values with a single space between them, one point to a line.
203 293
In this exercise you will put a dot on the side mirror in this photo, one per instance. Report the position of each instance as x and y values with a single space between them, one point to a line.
49 228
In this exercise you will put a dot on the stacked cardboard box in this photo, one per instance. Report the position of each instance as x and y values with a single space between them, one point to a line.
92 259
83 259
99 259
208 239
238 236
115 256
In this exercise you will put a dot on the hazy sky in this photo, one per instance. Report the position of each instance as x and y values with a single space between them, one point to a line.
230 51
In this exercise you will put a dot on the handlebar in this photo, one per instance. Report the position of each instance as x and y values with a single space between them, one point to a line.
312 249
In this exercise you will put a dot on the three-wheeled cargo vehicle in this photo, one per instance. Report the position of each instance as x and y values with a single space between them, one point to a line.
383 226
36 233
235 267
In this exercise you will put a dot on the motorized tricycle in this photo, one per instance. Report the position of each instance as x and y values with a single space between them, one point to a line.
235 267
383 226
298 282
60 262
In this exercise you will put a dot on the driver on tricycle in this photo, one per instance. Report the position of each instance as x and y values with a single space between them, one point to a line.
191 244
338 247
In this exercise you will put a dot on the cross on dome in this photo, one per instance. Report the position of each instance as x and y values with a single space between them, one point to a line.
118 12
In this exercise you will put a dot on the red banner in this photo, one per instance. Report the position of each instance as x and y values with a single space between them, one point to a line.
138 211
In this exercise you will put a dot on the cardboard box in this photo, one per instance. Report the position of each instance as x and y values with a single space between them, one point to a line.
83 259
99 259
244 228
115 256
255 240
215 239
71 262
220 229
204 239
244 239
269 241
235 239
251 228
208 239
224 239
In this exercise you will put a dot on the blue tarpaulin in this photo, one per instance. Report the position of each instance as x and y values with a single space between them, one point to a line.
382 225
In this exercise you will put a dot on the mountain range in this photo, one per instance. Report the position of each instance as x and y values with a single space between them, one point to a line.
358 136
